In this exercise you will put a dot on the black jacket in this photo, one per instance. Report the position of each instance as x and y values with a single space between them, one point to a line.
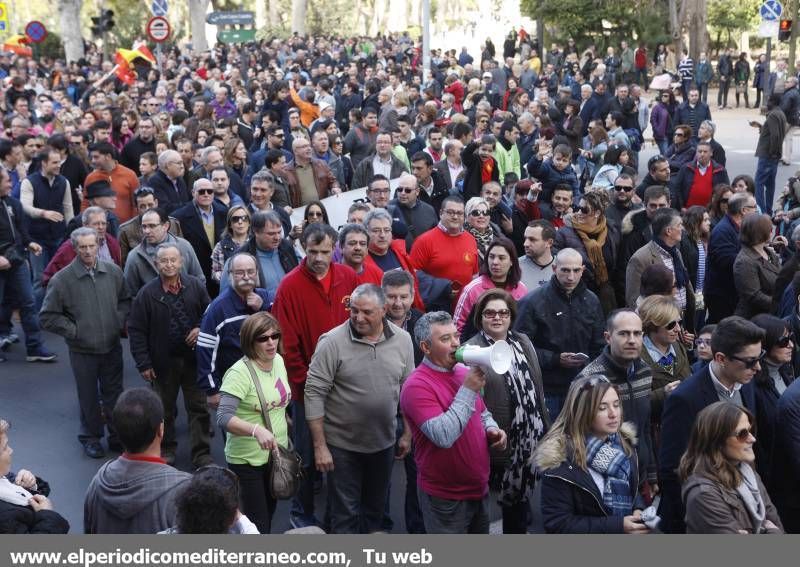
556 322
195 234
473 180
680 410
17 218
148 322
441 190
681 184
133 150
767 416
16 519
168 198
784 488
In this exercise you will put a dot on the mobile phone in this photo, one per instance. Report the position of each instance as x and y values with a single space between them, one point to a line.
581 356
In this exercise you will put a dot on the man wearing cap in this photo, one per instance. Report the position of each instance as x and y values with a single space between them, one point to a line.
121 179
99 194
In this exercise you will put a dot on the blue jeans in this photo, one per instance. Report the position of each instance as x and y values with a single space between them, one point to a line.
16 290
358 486
303 501
766 170
662 146
38 264
554 403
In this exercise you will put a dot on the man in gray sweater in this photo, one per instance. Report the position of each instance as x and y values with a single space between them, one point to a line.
87 303
351 396
135 493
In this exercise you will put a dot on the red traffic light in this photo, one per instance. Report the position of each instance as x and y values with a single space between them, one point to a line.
785 30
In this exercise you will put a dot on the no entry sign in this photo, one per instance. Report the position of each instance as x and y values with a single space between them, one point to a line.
36 31
158 29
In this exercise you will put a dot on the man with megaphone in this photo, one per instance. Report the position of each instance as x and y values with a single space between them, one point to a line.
452 431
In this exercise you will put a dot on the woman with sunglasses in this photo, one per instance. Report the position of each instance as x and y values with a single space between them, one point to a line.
250 441
597 242
236 233
721 490
720 196
660 120
662 349
477 223
756 267
315 213
343 171
588 464
775 376
682 150
499 270
516 400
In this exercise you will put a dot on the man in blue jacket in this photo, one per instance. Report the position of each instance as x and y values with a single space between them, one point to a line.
736 347
723 246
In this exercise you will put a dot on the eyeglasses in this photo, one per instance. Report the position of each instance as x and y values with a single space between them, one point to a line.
452 213
743 434
583 210
380 191
406 190
278 135
785 340
237 219
623 188
724 201
314 214
479 213
273 337
678 135
749 363
671 325
205 191
492 313
702 342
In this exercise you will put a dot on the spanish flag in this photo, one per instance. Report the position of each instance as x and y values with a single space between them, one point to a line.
18 44
128 59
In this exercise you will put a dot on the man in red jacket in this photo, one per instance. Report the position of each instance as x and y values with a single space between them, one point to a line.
311 300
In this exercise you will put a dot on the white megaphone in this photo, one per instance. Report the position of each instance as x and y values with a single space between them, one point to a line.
497 357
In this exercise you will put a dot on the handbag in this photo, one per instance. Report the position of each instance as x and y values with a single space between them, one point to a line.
286 467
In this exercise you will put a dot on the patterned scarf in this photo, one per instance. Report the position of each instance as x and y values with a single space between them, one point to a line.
594 239
527 426
482 239
681 276
608 458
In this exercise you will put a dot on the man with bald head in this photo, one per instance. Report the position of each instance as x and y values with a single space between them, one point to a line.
565 323
167 182
308 179
202 222
409 210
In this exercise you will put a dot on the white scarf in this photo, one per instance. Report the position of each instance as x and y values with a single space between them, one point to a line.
749 493
13 494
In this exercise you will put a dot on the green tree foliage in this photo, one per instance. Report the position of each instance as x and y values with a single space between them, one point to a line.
728 18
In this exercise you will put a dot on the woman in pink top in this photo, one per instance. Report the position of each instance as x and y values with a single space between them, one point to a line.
499 269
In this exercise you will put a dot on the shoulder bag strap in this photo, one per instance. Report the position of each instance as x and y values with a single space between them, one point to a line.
260 393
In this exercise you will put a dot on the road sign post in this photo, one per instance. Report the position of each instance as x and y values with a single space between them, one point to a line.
158 30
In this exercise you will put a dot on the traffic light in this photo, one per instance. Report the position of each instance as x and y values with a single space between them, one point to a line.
785 31
103 23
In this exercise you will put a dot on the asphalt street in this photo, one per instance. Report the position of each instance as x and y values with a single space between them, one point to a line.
41 403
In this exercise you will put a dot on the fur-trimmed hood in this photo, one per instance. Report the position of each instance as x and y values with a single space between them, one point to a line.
553 451
634 220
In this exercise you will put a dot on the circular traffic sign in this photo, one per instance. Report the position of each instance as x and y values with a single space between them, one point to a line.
36 31
158 29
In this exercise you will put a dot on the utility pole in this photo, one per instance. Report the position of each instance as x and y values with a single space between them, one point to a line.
793 37
426 40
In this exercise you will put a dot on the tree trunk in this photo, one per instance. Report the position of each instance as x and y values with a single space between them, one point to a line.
675 24
697 28
416 13
274 15
70 20
197 24
299 9
378 11
261 14
398 16
793 38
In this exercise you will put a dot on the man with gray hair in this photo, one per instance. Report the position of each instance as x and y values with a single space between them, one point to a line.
107 246
87 303
211 159
202 222
565 322
167 182
452 431
351 393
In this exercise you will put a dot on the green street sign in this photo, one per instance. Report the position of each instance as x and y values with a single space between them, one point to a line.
236 36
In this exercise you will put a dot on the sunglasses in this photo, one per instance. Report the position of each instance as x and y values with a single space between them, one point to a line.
238 218
671 325
749 363
743 434
264 338
205 191
623 188
785 341
583 210
314 214
724 201
479 213
406 190
492 313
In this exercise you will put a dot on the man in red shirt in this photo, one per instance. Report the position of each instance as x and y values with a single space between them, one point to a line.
447 250
122 180
697 179
311 300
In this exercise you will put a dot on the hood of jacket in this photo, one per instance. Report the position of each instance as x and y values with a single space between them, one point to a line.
127 487
634 220
552 451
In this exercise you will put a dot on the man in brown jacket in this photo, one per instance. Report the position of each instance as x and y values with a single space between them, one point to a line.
308 179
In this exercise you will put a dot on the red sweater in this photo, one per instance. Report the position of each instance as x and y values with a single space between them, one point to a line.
398 246
701 189
441 255
305 312
66 254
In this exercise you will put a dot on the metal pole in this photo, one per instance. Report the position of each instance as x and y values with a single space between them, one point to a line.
426 39
767 72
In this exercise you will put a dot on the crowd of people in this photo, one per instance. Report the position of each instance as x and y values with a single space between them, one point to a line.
650 307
